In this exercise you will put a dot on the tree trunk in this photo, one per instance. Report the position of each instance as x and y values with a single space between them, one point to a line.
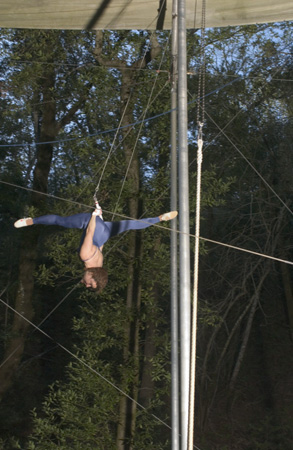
28 251
127 408
46 130
287 283
23 305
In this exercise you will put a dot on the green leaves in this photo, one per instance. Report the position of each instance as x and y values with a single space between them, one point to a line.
248 107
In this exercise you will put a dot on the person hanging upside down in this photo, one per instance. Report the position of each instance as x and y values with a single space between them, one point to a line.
96 234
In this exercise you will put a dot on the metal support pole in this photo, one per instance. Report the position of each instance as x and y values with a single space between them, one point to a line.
174 241
183 224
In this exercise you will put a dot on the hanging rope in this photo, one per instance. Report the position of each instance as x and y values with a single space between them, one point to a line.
120 123
200 122
149 103
110 151
130 128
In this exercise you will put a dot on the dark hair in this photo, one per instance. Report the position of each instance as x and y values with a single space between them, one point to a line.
100 276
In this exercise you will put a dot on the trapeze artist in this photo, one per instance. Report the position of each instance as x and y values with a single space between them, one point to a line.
96 234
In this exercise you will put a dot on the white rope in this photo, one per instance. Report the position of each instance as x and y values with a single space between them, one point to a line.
200 123
195 301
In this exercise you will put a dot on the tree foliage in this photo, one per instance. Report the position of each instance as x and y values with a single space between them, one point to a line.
90 99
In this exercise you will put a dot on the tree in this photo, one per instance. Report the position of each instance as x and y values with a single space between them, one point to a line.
124 335
237 302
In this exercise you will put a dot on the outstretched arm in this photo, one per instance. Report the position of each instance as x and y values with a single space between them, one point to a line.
88 248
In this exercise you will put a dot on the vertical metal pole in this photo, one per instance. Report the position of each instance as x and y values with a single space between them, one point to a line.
174 241
183 224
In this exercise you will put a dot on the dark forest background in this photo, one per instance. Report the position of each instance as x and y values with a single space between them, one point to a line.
78 108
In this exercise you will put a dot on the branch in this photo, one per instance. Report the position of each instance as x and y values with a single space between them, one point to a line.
152 53
102 59
68 116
